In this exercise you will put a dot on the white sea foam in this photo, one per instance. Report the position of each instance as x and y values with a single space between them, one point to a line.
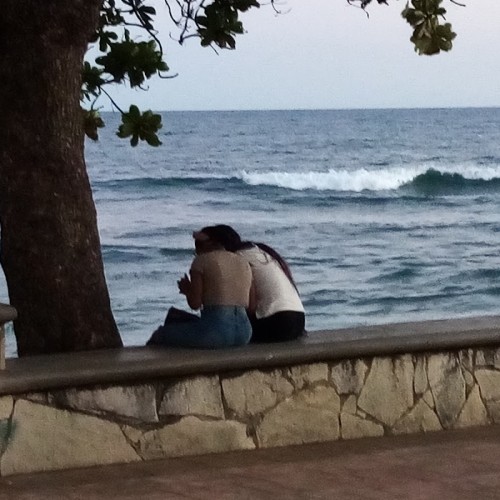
362 179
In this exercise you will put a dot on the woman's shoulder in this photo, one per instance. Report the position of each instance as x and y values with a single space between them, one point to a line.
198 263
237 258
217 257
251 252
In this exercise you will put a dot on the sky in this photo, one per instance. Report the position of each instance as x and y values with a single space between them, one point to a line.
325 54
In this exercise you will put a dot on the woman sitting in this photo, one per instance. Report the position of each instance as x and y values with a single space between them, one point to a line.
279 313
220 284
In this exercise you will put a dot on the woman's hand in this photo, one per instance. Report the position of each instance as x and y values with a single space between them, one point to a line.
184 285
192 289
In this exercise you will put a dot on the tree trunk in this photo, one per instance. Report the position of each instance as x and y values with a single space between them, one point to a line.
50 249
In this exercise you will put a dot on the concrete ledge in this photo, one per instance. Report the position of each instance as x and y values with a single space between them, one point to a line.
39 373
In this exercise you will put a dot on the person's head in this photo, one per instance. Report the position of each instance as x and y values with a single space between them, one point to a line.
219 236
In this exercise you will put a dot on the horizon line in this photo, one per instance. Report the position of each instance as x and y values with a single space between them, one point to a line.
231 110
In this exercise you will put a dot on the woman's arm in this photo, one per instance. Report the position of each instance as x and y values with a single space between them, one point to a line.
192 289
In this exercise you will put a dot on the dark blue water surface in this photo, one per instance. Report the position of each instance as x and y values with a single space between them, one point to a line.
384 215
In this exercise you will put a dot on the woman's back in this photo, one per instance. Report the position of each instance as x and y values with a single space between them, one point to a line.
226 278
274 290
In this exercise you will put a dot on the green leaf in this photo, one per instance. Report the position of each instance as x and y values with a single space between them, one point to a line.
105 39
149 10
140 126
152 140
91 122
134 112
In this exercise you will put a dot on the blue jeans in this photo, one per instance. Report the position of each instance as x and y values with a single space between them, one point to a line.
217 327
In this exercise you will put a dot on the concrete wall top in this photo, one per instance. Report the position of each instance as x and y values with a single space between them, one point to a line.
109 366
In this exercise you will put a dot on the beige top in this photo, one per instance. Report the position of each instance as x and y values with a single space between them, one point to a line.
226 278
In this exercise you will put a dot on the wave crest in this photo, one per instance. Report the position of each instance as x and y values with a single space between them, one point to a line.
420 179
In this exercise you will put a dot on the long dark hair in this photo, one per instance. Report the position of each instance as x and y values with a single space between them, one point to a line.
224 235
227 237
279 259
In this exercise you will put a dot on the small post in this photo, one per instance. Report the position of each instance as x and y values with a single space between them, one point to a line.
7 313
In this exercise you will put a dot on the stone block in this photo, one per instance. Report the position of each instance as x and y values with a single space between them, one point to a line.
194 396
255 391
190 436
137 401
489 383
307 417
348 375
45 438
474 412
469 380
43 398
480 359
304 375
350 405
487 357
420 382
493 408
353 427
420 419
429 399
6 407
447 385
467 359
388 390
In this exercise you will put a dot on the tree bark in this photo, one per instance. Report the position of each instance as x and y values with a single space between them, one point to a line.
50 250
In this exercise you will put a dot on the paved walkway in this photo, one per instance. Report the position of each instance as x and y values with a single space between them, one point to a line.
452 465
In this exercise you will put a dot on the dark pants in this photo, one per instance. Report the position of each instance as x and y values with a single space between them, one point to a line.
280 327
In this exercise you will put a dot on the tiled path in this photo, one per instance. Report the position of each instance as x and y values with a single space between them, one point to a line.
452 465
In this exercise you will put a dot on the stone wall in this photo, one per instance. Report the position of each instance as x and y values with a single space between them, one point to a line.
7 314
346 399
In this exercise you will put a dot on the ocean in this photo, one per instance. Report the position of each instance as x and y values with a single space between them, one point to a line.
383 215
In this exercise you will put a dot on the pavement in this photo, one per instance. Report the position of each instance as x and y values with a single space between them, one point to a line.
455 465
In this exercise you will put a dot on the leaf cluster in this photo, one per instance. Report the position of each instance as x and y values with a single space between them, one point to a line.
141 126
122 60
91 122
132 61
429 35
220 22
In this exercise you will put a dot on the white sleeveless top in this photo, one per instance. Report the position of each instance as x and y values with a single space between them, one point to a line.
273 290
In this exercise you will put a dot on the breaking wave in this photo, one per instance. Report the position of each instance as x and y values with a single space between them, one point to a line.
420 179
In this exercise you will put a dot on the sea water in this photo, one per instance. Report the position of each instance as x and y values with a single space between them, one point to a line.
383 215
